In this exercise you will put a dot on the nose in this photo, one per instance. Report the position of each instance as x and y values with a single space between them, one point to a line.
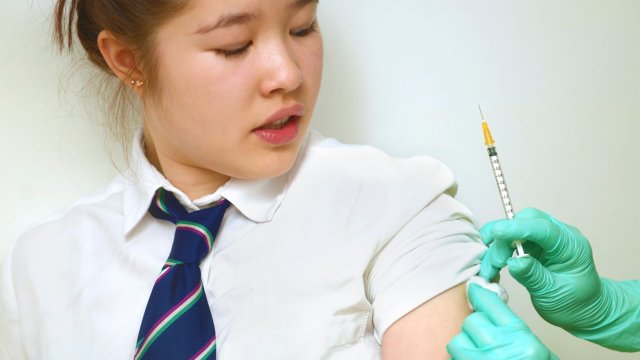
281 70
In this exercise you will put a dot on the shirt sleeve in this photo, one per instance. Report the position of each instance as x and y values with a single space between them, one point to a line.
436 250
10 337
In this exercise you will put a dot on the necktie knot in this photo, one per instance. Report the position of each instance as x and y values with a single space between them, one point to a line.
195 231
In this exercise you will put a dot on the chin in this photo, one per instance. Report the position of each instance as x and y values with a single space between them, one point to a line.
272 166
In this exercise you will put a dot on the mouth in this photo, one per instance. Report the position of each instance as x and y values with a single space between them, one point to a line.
279 124
282 127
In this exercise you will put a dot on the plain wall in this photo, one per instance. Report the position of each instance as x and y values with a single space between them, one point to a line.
559 82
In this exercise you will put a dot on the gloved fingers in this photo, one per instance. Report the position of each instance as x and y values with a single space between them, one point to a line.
532 249
486 231
567 238
494 259
531 274
462 348
543 232
493 308
487 270
480 329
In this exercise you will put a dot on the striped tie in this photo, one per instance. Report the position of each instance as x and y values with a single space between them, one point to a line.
177 322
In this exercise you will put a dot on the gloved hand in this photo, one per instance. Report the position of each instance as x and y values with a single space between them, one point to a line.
562 280
494 332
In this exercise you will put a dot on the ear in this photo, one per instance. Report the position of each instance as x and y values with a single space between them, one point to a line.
120 58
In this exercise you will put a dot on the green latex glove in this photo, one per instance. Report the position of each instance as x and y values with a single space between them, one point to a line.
494 332
562 279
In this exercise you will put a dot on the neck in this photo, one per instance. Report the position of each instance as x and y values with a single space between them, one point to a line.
194 181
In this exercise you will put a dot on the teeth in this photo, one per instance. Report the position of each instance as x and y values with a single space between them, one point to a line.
276 125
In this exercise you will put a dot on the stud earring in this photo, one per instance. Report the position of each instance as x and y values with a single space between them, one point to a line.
136 83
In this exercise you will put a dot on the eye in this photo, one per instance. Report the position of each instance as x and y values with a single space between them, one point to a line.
234 52
313 28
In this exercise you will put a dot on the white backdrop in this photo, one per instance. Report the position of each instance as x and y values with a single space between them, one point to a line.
559 82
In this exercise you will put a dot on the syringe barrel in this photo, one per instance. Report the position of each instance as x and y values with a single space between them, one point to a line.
501 183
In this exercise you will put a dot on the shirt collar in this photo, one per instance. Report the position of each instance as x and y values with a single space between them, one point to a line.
258 200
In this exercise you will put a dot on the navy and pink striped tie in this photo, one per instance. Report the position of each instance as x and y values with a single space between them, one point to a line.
177 322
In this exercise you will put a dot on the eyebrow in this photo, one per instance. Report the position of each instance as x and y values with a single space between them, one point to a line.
243 18
226 21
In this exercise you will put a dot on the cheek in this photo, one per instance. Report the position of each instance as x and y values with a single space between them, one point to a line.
202 87
229 82
312 60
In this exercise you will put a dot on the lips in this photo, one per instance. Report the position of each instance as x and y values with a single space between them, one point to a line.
282 127
278 124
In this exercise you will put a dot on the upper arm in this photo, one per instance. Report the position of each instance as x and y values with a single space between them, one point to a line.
438 249
424 332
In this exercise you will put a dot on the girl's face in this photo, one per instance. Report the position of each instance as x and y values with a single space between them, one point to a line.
238 83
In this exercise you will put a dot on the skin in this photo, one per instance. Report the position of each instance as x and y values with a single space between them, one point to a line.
424 332
211 102
218 85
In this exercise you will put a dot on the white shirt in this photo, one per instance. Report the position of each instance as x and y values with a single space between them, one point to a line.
314 264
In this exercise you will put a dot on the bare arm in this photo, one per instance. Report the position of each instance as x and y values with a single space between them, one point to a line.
424 332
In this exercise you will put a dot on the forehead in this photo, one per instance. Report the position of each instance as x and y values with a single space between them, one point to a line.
201 16
255 7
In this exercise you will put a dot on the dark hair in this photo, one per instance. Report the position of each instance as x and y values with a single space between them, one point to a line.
134 22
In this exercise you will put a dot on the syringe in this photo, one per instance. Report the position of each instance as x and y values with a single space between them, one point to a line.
499 175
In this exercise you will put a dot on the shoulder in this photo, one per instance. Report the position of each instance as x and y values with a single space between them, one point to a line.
78 220
367 184
362 165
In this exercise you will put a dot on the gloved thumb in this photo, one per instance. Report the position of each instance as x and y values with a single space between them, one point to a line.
530 273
